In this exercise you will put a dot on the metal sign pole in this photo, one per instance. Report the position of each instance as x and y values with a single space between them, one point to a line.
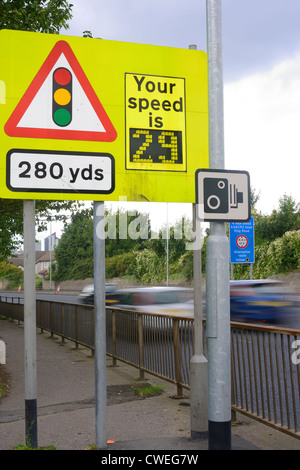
30 324
100 326
217 274
198 364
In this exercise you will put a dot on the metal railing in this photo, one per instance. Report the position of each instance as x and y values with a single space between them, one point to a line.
265 378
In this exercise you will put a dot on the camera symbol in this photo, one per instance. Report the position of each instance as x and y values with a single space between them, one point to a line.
219 196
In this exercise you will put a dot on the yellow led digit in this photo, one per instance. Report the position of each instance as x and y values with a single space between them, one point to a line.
155 147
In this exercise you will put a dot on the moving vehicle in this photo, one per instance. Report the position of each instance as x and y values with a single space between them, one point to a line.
258 300
160 300
87 294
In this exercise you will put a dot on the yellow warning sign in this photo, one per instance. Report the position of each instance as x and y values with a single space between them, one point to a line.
90 119
155 123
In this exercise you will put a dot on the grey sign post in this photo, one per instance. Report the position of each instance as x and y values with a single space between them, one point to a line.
100 326
30 363
217 271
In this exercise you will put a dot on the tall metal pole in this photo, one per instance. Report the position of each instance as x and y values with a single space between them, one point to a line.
198 364
30 372
217 265
167 245
50 246
100 326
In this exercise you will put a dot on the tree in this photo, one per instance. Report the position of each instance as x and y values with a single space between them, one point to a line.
254 197
125 231
11 220
286 218
75 249
42 16
178 236
74 253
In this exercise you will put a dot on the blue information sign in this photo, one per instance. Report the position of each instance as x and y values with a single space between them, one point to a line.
242 242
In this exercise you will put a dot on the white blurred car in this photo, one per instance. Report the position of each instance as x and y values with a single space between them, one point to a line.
175 301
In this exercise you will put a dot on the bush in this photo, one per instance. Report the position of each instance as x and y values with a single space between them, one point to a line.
150 267
185 265
278 257
283 254
82 269
120 265
12 273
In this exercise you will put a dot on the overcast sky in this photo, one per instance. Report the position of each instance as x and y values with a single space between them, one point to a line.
261 68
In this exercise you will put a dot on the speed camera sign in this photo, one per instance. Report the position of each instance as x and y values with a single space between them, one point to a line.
223 195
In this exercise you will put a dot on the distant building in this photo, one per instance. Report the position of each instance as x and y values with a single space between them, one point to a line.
51 242
42 262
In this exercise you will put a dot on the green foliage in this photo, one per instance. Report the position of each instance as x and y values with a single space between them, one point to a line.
87 34
74 253
149 390
121 265
125 232
278 257
283 254
185 265
277 242
11 220
130 250
178 235
286 218
44 16
12 273
150 267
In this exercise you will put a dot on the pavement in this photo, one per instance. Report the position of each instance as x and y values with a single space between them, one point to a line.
66 405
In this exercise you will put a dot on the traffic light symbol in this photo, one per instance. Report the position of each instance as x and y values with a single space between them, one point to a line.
62 97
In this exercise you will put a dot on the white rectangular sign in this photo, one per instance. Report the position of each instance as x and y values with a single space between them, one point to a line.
64 172
223 195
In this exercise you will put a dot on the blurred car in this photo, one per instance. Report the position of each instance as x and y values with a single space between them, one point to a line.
258 300
87 294
160 300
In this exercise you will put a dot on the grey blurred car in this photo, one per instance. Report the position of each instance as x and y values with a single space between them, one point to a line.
87 294
175 301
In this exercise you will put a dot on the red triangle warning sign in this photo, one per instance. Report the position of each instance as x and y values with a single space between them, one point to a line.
60 103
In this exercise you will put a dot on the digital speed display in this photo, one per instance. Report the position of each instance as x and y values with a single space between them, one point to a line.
155 146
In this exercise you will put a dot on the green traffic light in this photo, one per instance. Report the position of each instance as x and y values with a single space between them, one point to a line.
62 117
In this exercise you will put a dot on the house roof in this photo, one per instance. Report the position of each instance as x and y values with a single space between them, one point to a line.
39 256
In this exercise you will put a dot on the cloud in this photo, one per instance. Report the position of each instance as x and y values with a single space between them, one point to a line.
171 23
262 119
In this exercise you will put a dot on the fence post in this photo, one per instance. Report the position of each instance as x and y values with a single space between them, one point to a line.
141 346
76 326
177 357
62 323
114 336
93 332
51 319
42 304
